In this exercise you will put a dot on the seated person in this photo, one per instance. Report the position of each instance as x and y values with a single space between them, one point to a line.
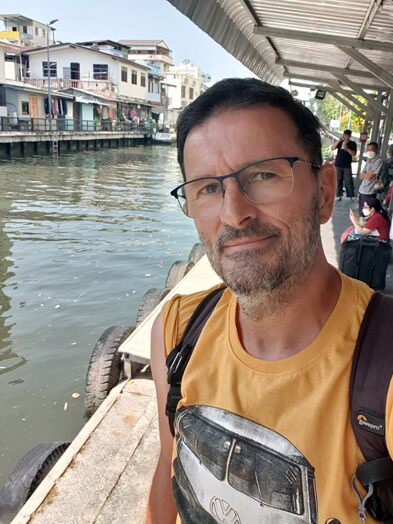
376 220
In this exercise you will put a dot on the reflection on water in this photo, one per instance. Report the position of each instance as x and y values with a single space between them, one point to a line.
80 243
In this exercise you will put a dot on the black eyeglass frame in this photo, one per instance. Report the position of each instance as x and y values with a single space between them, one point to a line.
236 175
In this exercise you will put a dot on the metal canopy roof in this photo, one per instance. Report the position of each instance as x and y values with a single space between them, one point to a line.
313 40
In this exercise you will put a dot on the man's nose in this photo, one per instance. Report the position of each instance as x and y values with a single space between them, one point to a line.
236 209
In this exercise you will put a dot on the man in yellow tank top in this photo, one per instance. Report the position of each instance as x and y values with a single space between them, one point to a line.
263 430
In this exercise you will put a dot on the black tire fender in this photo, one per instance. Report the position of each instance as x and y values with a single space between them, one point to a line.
178 270
150 300
26 476
105 367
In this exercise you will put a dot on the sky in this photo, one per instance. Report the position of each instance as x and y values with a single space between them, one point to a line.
81 20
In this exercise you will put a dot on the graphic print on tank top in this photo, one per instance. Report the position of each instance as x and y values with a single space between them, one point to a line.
231 470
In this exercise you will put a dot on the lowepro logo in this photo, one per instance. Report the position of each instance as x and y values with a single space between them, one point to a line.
370 423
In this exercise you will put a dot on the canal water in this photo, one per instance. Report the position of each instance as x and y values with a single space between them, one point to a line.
81 241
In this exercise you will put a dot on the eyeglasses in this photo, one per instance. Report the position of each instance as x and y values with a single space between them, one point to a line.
261 182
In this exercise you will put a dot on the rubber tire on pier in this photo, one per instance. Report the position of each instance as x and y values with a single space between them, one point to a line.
105 366
178 270
26 476
150 300
196 252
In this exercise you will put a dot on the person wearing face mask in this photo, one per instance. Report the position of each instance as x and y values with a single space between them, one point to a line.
377 222
369 174
346 149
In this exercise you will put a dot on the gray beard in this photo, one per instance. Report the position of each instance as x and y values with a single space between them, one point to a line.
265 288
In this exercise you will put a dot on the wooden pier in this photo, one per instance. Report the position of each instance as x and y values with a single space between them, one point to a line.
20 144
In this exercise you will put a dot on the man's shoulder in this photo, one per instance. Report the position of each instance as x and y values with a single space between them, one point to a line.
186 300
352 144
176 313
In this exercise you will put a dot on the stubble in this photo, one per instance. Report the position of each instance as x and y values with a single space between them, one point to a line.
265 282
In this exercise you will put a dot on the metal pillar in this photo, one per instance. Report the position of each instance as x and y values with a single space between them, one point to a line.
387 126
376 122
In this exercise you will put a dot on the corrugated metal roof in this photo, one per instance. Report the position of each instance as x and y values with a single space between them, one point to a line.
233 24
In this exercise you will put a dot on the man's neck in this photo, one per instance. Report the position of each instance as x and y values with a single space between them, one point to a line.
288 321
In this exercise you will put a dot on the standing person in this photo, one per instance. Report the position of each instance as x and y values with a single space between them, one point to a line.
369 174
346 149
262 428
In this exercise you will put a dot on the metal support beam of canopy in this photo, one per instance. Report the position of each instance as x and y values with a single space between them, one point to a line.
322 67
350 96
377 71
358 89
322 79
323 38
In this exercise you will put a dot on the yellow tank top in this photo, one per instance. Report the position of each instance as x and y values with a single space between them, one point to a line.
267 441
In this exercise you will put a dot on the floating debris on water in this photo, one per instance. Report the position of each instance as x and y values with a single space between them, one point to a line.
75 395
65 406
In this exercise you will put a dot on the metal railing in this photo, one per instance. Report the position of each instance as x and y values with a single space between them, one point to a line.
44 125
100 86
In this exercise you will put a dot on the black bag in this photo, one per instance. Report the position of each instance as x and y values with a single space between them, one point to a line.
372 370
366 259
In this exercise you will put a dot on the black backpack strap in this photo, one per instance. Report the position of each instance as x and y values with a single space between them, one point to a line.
372 370
178 358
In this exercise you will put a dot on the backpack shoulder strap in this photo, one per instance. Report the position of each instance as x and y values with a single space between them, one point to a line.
178 358
372 370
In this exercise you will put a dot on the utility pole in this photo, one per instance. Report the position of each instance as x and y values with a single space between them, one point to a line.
48 69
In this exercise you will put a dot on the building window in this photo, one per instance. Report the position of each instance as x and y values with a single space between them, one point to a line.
24 28
191 93
53 69
25 108
183 91
14 28
44 33
123 74
143 80
100 72
75 71
134 77
150 86
36 31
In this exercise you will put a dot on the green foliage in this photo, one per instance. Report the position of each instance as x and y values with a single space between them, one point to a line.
331 109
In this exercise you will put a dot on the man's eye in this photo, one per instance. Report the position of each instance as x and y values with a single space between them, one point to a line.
210 189
262 176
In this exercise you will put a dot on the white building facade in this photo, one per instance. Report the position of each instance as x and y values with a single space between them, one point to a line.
25 31
76 66
154 52
185 82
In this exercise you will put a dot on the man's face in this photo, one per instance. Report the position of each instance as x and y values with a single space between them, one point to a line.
257 247
346 136
372 147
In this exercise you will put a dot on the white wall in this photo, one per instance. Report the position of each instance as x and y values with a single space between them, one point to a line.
86 58
10 70
2 65
188 76
15 99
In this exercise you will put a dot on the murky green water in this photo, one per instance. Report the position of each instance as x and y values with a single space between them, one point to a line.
80 243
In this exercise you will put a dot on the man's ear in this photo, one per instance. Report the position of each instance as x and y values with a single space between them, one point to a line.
327 191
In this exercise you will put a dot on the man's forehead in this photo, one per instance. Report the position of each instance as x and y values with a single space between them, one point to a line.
240 136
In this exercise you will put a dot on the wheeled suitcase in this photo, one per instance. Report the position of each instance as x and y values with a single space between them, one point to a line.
366 259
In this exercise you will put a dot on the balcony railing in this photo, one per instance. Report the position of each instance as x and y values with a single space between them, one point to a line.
43 125
98 86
